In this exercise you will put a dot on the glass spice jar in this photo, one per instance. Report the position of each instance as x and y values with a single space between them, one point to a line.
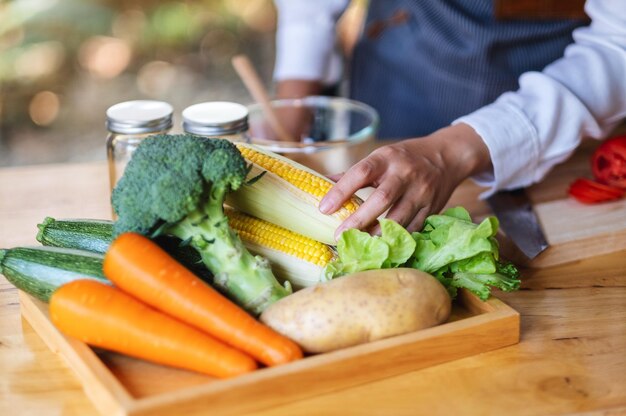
128 124
217 119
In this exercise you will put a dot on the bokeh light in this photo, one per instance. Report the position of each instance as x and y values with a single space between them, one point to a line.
11 37
156 77
176 22
63 62
44 108
105 57
129 24
39 60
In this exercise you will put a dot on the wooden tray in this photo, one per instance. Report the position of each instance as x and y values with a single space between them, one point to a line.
119 385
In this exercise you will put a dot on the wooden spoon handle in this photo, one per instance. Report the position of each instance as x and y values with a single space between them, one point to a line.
255 87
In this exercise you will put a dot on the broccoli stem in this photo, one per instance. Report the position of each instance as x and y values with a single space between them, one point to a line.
246 279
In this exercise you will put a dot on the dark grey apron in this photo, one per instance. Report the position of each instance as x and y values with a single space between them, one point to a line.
424 63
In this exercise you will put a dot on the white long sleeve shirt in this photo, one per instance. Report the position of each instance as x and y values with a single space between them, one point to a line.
528 131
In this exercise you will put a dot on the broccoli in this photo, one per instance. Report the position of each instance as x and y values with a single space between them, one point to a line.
175 185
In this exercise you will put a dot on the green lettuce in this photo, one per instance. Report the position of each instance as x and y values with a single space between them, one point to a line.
446 239
401 243
452 248
505 277
358 250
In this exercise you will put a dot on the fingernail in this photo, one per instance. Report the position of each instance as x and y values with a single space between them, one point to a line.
325 206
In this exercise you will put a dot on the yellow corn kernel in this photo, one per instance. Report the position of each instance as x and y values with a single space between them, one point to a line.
304 179
288 194
263 233
293 257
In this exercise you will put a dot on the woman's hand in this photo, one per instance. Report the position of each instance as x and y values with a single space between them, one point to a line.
412 178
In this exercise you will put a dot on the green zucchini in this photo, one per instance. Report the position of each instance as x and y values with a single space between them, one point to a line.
90 235
39 271
97 235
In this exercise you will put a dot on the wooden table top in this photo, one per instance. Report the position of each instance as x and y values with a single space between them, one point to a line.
571 358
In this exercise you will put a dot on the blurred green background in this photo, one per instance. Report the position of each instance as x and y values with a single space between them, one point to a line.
64 62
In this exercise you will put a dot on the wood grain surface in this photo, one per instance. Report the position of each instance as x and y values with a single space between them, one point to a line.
570 359
573 230
120 385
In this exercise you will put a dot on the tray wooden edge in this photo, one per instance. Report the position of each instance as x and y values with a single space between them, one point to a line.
494 326
100 385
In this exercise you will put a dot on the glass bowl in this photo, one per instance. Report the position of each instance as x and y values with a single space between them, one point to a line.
329 134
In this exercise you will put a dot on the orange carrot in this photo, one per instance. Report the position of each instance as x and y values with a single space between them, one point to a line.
106 317
141 268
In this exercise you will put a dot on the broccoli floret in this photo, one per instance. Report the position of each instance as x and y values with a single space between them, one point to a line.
176 185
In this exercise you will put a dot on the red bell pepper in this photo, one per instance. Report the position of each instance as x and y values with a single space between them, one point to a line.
608 162
589 192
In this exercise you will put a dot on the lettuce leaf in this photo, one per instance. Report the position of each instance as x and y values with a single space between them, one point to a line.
505 277
450 237
401 243
456 251
358 250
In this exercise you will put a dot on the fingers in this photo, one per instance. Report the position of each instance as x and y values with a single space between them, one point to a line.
402 212
381 199
410 211
357 177
336 176
417 223
405 209
409 183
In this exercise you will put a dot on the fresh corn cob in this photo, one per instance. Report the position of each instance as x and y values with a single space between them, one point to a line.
293 257
288 194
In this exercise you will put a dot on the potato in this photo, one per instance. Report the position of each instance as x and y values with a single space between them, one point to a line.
359 308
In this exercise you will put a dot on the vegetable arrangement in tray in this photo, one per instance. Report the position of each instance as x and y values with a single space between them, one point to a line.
211 242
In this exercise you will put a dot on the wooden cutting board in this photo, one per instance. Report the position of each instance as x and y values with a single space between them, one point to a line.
574 230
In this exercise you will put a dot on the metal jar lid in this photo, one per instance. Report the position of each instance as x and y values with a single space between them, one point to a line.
139 117
215 118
